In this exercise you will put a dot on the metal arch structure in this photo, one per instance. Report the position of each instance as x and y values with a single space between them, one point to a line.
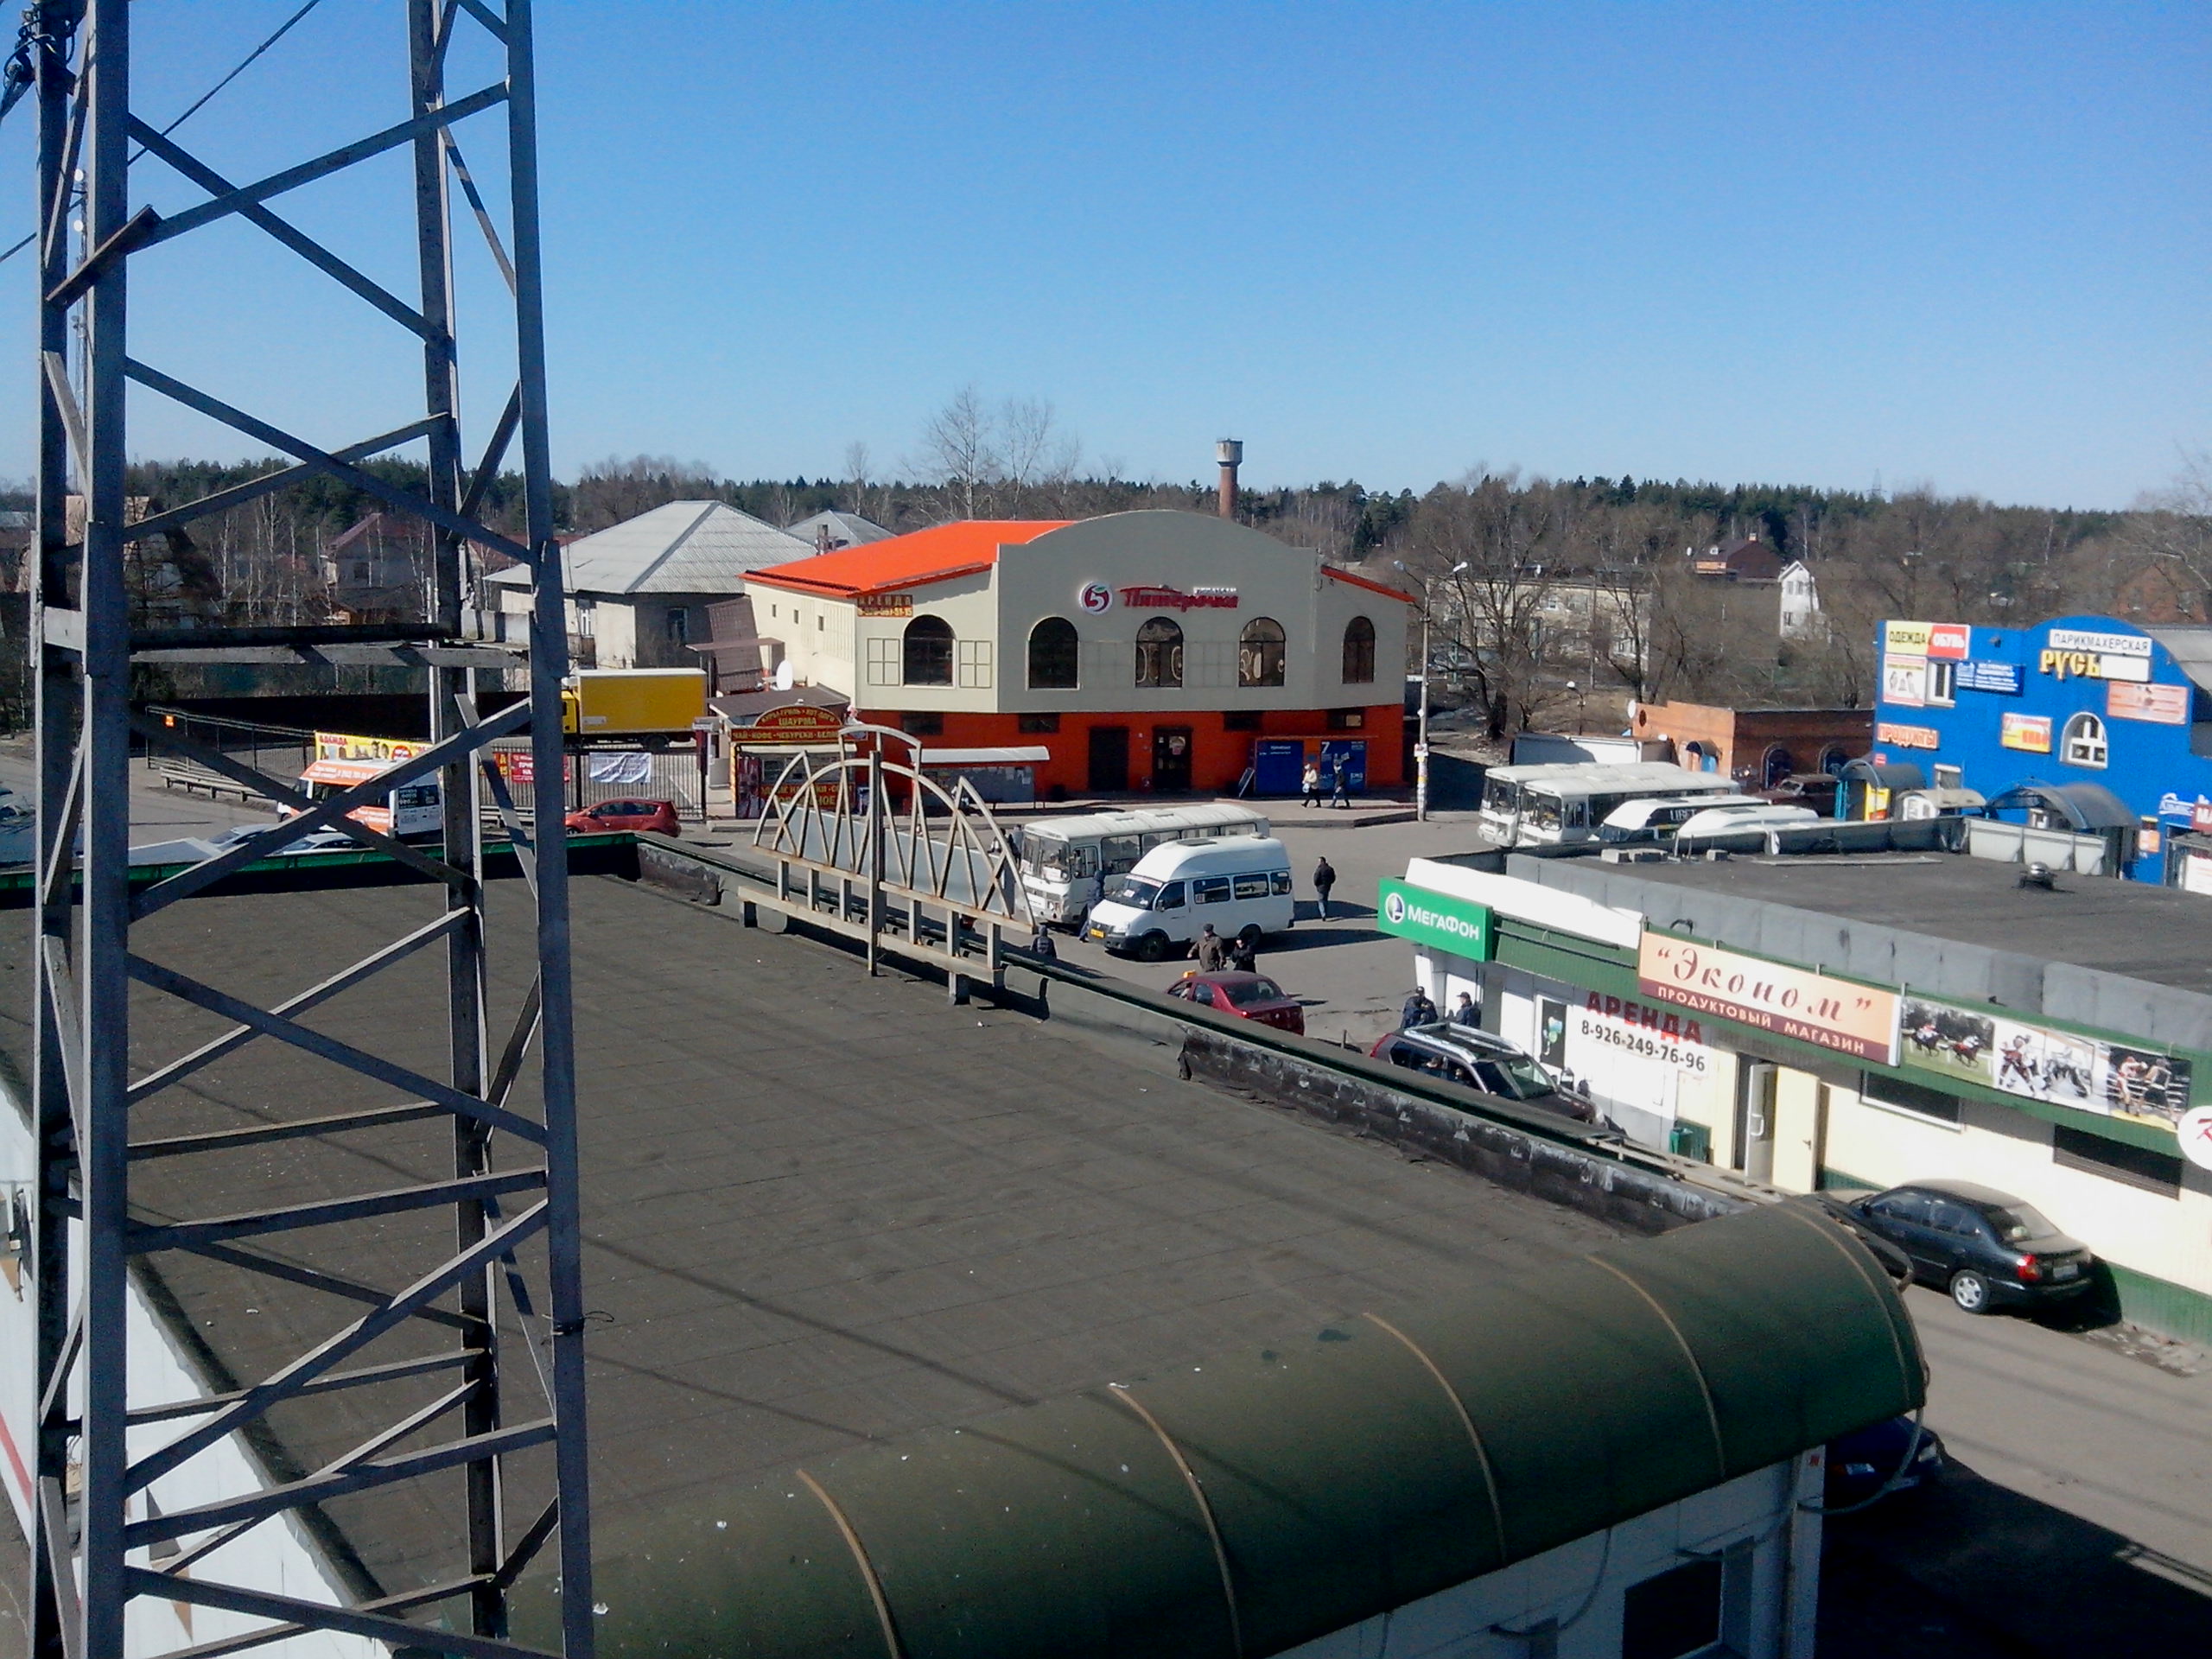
839 843
506 1292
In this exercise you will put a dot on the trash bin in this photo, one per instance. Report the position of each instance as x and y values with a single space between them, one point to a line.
1688 1140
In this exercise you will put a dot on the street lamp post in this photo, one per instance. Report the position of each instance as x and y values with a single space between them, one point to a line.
1420 729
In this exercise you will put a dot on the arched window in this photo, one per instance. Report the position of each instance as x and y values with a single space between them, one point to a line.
1779 765
1160 653
1052 655
2085 741
1259 653
928 659
1359 651
1833 759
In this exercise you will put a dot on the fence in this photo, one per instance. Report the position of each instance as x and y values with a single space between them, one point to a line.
608 775
280 751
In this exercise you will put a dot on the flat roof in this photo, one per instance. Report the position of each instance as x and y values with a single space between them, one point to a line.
2116 926
820 1209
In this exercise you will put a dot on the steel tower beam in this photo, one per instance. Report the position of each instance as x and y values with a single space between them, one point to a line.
504 1292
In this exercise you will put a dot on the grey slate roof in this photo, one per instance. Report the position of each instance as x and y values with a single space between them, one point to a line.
2191 646
846 528
680 547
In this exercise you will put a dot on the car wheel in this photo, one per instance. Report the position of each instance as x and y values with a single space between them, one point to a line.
1249 936
1970 1291
1153 947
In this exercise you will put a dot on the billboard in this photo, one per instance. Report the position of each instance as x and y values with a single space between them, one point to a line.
2060 1068
2030 733
1795 1002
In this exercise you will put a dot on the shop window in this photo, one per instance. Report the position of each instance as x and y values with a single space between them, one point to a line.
1160 654
926 657
1347 720
1359 651
2154 1172
1904 1097
1240 719
919 723
2084 744
1052 655
1037 725
1259 655
1672 1615
1942 682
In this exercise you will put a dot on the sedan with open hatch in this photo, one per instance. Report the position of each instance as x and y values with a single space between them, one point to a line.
1988 1248
1243 997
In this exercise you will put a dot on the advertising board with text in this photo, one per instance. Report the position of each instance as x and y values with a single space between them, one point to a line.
2162 705
1904 680
1795 1002
1458 925
2031 734
2004 678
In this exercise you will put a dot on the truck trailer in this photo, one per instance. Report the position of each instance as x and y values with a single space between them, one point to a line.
633 701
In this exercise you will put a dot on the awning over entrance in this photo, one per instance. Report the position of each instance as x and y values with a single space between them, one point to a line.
2087 808
1890 774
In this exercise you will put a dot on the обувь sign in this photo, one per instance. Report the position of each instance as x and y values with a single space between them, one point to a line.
1812 1007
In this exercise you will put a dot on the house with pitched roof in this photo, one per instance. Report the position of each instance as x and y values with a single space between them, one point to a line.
639 592
1154 652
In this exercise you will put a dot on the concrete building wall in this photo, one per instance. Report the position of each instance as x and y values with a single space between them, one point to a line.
1743 742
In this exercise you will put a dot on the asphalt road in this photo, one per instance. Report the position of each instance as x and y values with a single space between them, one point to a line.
156 814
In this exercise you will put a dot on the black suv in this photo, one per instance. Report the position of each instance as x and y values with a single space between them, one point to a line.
1987 1248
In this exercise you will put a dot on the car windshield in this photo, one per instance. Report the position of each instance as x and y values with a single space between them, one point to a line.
2018 1222
1244 993
1526 1079
1136 891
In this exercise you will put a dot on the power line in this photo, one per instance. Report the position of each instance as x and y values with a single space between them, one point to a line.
18 79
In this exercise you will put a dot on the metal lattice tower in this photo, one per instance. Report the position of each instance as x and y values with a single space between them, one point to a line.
507 1295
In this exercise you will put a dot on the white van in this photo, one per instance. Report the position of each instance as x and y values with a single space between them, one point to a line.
1741 827
1241 885
1658 818
1067 860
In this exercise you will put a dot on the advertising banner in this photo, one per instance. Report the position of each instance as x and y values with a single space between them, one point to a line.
2102 644
1904 680
1908 737
1458 925
1796 1003
2003 678
2163 705
1906 639
2060 1068
1947 641
2030 732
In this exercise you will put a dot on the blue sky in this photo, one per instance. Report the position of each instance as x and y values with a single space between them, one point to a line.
1963 244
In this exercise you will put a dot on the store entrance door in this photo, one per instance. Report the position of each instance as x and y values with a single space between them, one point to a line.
1109 760
1171 759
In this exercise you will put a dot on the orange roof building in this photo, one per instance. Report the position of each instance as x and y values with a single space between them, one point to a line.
1149 652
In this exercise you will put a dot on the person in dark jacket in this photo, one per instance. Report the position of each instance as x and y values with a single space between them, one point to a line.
1211 951
1041 945
1418 1010
1244 955
1466 1013
1339 785
1325 883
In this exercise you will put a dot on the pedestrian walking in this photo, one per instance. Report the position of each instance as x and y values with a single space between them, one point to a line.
1466 1013
1325 883
1211 951
1309 784
1418 1010
1244 954
1339 784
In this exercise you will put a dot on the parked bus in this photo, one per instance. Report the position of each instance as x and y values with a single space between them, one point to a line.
1064 859
343 761
1554 805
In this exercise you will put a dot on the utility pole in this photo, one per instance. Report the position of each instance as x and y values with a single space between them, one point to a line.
1420 729
130 1504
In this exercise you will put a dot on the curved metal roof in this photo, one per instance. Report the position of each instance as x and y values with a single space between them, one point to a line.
1884 775
1264 1499
2088 807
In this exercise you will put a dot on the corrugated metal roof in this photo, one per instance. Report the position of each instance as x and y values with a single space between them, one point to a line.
2190 647
681 547
846 528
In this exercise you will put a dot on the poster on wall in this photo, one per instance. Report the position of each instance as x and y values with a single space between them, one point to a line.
1904 681
1952 1041
2162 705
1794 1003
2028 733
2143 1084
2048 1066
1551 1031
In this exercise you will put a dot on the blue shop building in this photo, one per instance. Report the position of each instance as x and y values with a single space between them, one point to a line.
2085 723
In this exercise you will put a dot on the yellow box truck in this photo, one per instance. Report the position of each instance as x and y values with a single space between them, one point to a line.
633 701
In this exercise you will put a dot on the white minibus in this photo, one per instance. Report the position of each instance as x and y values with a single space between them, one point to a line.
1525 806
1064 859
1658 816
1740 828
1241 885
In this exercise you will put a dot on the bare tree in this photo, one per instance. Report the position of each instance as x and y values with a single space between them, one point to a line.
960 451
2171 531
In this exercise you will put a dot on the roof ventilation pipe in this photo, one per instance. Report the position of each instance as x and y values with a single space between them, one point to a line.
1229 452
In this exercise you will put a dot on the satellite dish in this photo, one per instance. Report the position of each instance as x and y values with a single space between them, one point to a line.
784 679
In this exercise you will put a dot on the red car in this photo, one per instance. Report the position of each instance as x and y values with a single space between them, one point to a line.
608 815
1246 996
